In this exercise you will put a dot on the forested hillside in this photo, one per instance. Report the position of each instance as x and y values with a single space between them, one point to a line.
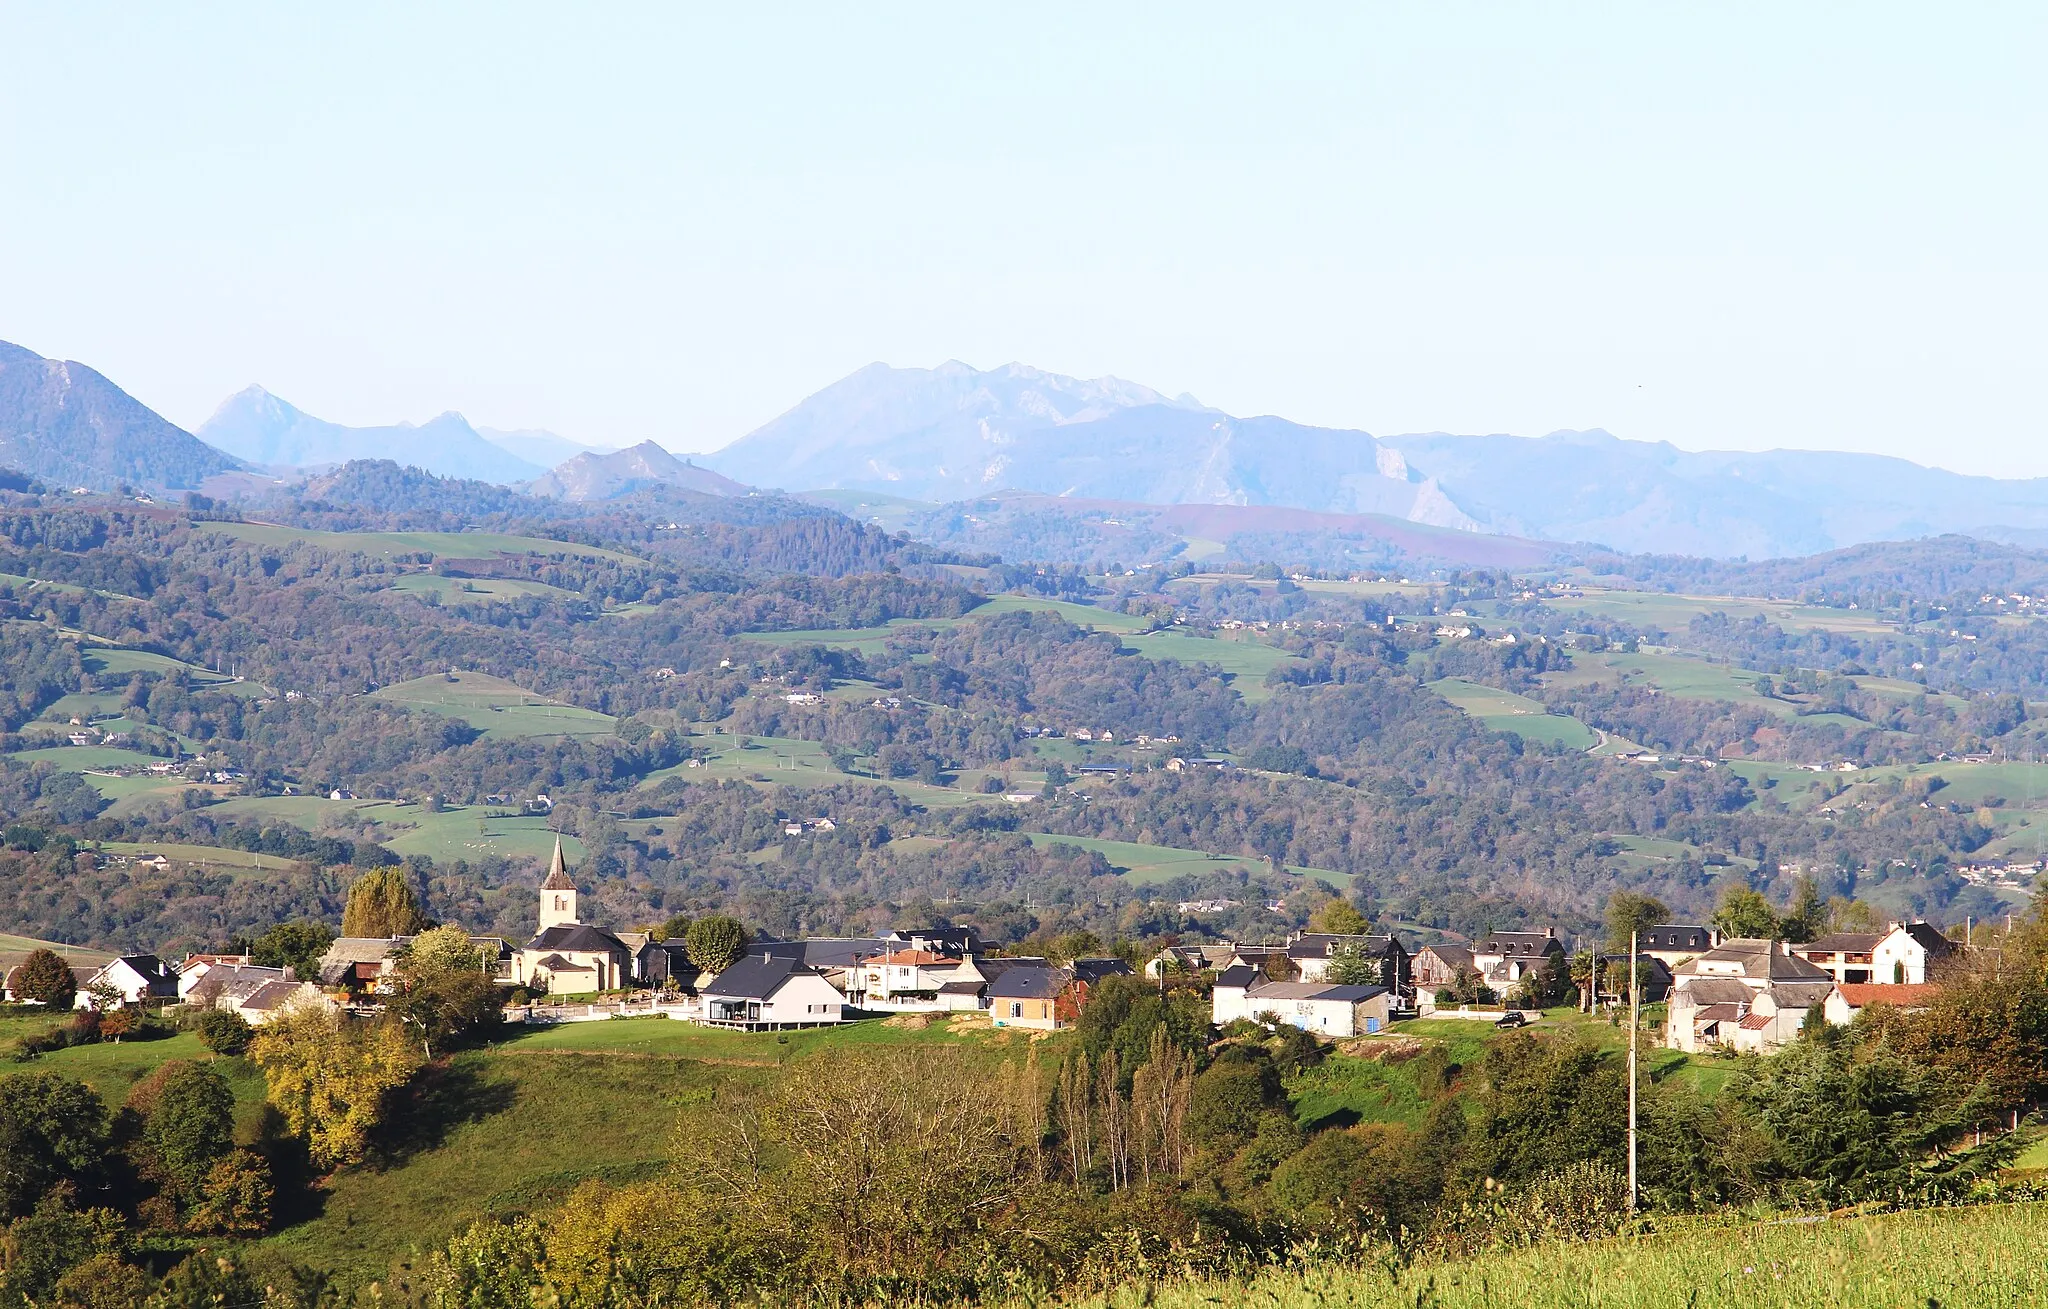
389 665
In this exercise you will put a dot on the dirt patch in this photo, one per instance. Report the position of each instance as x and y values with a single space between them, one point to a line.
910 1022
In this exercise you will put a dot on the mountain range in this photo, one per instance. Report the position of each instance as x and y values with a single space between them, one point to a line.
925 437
255 426
952 433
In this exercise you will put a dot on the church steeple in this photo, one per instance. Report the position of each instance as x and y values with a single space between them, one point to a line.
558 892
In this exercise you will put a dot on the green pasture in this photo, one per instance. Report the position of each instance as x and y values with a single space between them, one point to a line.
205 856
1674 612
31 585
495 706
442 545
1504 711
117 661
79 758
10 944
476 590
1144 864
1244 659
457 832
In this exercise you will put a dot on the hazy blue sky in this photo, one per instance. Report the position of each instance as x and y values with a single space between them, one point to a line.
1722 226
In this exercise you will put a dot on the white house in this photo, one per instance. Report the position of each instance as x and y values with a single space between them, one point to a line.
1903 957
1851 998
1326 1010
1505 958
901 979
137 977
1897 956
768 990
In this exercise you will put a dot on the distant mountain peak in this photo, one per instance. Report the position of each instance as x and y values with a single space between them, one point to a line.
594 476
255 425
954 432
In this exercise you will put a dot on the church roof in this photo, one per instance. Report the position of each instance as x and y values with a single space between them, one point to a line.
578 937
558 872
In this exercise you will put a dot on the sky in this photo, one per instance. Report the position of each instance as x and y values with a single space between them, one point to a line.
1728 227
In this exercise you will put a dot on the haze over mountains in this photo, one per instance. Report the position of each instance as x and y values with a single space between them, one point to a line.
954 434
255 426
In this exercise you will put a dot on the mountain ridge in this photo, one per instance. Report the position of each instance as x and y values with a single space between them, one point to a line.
66 423
261 428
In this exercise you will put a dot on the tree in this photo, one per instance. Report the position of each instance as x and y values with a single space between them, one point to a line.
224 1032
1629 912
714 943
1338 917
1744 912
45 978
52 1130
1807 917
328 1076
295 945
382 903
1351 966
450 1005
440 952
191 1125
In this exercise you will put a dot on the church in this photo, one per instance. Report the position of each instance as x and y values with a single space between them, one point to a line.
569 957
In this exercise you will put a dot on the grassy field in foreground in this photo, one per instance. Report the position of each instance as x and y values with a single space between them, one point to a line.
1984 1258
1504 711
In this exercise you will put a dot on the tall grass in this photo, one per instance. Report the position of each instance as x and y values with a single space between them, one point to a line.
1987 1257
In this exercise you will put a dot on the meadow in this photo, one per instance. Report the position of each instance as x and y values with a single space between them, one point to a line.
872 640
441 545
1159 863
476 590
456 832
1244 659
1504 711
494 706
1673 612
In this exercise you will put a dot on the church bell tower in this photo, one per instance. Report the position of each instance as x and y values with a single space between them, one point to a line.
557 893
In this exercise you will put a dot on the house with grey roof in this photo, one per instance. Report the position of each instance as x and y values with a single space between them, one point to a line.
1320 1008
135 978
770 990
1312 953
1744 994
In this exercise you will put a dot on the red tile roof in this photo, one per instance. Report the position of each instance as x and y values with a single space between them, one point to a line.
1908 995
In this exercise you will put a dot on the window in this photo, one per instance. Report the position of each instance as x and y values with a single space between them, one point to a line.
1016 1008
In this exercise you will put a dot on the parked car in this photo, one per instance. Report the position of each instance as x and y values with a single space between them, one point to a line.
1512 1018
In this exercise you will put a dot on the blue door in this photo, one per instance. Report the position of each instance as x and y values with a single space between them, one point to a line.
1371 1025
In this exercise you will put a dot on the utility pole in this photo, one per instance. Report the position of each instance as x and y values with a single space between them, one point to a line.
1635 1023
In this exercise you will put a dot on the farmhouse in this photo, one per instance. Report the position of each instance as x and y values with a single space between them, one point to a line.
1745 993
1898 956
1505 958
1441 966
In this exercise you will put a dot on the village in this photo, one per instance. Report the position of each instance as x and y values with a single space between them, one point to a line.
1719 994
